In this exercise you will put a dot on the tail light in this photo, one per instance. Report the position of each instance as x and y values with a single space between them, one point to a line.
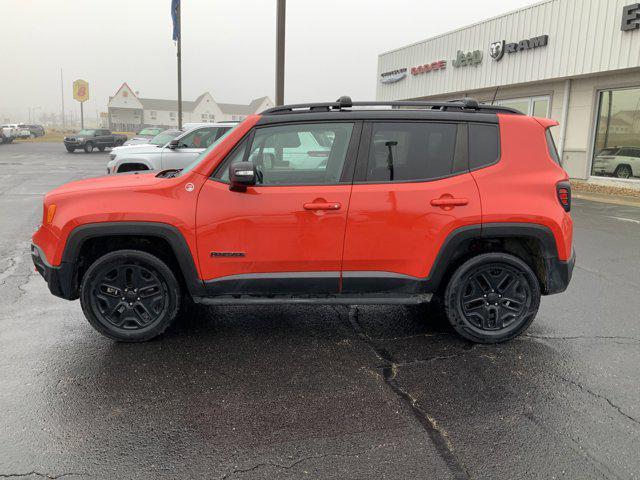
563 189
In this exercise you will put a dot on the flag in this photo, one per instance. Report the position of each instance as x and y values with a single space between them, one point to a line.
175 5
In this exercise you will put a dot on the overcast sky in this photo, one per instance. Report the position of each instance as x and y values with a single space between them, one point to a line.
228 47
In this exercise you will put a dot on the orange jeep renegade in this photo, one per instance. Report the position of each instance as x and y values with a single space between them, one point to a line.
327 203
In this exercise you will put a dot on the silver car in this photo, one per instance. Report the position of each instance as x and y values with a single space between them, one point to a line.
173 153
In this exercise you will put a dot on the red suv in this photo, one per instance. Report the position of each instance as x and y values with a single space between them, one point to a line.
326 204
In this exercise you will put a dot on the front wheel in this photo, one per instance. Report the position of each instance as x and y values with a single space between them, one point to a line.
492 298
70 149
130 295
88 147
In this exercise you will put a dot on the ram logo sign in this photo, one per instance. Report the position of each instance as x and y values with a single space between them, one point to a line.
498 49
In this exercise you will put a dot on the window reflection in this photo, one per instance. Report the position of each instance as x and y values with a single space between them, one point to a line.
617 142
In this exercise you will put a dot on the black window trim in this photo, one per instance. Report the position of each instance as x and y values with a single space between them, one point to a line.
365 145
348 168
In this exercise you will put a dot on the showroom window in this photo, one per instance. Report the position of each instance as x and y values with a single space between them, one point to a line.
616 150
536 106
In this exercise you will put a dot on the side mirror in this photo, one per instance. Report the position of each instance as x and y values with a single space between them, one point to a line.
241 176
173 144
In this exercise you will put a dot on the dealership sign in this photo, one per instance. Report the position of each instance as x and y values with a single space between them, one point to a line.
393 76
630 17
498 49
429 67
469 58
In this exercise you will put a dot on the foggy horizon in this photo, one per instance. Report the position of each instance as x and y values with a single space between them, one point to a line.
228 48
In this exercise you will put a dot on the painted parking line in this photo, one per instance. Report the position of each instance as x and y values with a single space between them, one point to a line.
630 220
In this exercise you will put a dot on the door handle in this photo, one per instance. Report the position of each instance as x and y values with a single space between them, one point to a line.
449 202
322 206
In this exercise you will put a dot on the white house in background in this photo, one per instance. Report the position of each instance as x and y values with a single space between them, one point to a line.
127 112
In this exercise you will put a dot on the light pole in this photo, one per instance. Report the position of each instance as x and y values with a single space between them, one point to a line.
280 30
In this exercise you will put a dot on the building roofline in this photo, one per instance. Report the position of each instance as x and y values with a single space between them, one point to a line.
510 12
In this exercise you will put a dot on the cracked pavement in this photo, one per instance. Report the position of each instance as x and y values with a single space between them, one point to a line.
316 392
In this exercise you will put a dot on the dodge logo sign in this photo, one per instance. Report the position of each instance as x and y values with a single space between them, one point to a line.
496 50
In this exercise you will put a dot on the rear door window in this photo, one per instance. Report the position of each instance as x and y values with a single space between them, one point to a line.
551 145
484 145
411 151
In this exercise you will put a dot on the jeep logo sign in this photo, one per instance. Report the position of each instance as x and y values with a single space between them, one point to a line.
498 49
470 58
630 17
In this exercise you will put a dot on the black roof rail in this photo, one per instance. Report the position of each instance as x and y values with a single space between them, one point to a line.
466 104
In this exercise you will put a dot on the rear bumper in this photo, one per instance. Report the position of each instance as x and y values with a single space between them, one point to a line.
558 274
59 279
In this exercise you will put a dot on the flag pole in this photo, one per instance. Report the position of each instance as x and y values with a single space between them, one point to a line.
179 57
280 35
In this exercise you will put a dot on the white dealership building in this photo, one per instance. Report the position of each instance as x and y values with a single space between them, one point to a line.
576 61
127 111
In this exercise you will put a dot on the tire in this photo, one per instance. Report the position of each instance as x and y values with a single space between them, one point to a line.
119 143
623 171
101 149
492 298
88 147
124 274
70 149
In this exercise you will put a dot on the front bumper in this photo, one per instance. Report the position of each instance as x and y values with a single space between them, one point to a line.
60 280
558 274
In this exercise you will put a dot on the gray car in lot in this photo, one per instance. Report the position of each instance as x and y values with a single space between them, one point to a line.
90 139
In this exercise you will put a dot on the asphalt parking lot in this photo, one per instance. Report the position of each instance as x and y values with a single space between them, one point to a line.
316 392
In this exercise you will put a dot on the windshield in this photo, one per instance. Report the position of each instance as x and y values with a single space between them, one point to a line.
165 137
148 131
608 151
86 132
206 152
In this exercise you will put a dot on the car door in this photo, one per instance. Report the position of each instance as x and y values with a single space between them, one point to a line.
190 145
105 138
412 189
285 234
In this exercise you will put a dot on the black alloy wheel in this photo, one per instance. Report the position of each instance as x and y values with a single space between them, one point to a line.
88 147
130 295
492 298
623 171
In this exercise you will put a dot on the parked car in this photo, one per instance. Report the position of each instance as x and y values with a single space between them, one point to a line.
94 138
454 200
176 153
17 130
144 135
622 162
8 134
34 130
159 140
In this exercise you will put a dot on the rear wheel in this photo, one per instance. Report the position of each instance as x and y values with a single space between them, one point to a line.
130 295
623 171
101 149
88 147
492 298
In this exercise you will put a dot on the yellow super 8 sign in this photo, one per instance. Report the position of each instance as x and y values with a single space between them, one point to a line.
81 90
